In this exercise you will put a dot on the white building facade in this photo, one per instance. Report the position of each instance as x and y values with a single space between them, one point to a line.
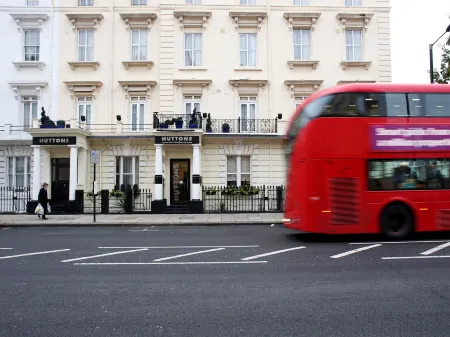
119 69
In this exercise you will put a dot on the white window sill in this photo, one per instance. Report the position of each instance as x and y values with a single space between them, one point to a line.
364 64
29 64
193 69
248 69
90 64
302 63
129 64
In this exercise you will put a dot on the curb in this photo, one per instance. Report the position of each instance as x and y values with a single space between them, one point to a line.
141 224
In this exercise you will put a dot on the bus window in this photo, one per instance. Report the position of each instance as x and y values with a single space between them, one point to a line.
407 174
429 105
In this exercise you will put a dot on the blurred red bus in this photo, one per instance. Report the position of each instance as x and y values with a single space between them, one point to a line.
370 158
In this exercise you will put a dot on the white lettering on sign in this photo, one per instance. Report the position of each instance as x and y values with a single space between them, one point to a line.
175 182
412 132
49 141
176 139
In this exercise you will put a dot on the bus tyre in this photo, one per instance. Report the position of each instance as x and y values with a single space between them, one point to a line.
397 221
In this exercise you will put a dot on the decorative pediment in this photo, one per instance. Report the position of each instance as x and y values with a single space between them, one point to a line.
302 87
301 63
301 20
138 20
134 87
354 20
79 88
355 81
356 64
29 20
27 88
248 19
189 19
246 86
84 20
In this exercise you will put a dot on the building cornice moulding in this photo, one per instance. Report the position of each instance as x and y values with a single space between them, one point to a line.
29 64
84 20
301 20
356 64
129 64
302 63
192 19
29 20
137 86
138 20
308 87
248 19
27 88
83 87
353 19
192 82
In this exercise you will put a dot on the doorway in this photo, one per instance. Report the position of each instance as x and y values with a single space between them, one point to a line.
180 181
60 179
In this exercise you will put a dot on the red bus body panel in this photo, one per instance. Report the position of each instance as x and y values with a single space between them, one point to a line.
338 149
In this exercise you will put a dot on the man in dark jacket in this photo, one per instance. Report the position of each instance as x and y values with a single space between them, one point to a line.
43 199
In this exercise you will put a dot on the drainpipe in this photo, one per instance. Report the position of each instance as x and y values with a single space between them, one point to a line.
111 65
269 61
270 163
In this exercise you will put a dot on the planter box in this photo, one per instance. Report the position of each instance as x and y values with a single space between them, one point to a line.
193 126
179 124
163 126
60 126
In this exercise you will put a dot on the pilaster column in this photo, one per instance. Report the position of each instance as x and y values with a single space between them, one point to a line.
82 169
158 172
196 172
36 170
46 170
73 171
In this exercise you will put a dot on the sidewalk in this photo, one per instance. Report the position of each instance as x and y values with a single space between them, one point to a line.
23 220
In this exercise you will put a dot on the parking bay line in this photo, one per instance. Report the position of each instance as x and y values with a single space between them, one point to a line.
36 253
393 242
435 249
179 247
416 257
270 253
354 251
187 254
102 255
164 263
5 248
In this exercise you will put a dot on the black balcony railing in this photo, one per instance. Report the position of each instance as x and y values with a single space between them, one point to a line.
241 125
180 121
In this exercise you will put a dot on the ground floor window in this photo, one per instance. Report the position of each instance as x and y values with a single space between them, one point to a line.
238 170
19 171
127 171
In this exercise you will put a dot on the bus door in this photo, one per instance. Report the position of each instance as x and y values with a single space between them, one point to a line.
343 191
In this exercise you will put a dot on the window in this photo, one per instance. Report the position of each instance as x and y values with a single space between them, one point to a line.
138 2
248 113
191 103
351 3
127 171
301 44
31 45
138 107
301 2
29 108
85 45
299 100
248 2
193 2
192 49
353 44
32 3
238 170
408 174
19 171
429 105
85 2
84 107
139 44
248 50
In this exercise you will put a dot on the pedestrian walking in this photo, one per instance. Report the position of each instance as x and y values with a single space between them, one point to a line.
43 200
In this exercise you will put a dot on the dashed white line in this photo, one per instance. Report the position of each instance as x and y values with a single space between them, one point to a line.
4 229
354 251
435 249
5 248
271 253
188 254
416 257
36 253
102 255
179 247
164 263
395 242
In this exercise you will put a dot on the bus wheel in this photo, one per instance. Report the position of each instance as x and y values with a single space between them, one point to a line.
397 221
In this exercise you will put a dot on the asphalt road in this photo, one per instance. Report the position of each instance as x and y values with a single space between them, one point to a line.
220 281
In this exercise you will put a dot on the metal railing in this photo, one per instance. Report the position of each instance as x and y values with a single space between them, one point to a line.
241 125
14 199
245 199
176 121
142 201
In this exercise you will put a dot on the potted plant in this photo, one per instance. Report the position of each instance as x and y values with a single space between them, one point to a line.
67 126
165 125
60 124
208 124
193 122
225 127
211 191
179 122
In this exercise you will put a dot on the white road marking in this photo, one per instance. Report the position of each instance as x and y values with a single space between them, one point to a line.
5 248
179 247
271 253
435 249
354 251
4 229
393 242
188 254
416 257
163 263
36 253
143 230
107 254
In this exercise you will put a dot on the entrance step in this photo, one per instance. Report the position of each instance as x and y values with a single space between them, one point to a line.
61 207
177 209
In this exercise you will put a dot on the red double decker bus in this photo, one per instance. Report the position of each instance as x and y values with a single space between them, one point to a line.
370 158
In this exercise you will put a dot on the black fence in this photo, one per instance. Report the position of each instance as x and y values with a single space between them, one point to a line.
118 201
14 199
245 199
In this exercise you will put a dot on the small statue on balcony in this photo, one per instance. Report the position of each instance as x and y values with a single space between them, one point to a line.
45 120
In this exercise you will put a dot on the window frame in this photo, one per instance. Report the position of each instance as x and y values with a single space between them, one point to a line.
353 45
193 100
26 171
139 45
138 2
87 3
138 101
37 54
134 170
193 50
301 44
239 172
84 101
32 100
300 3
32 3
351 3
247 50
247 2
86 46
